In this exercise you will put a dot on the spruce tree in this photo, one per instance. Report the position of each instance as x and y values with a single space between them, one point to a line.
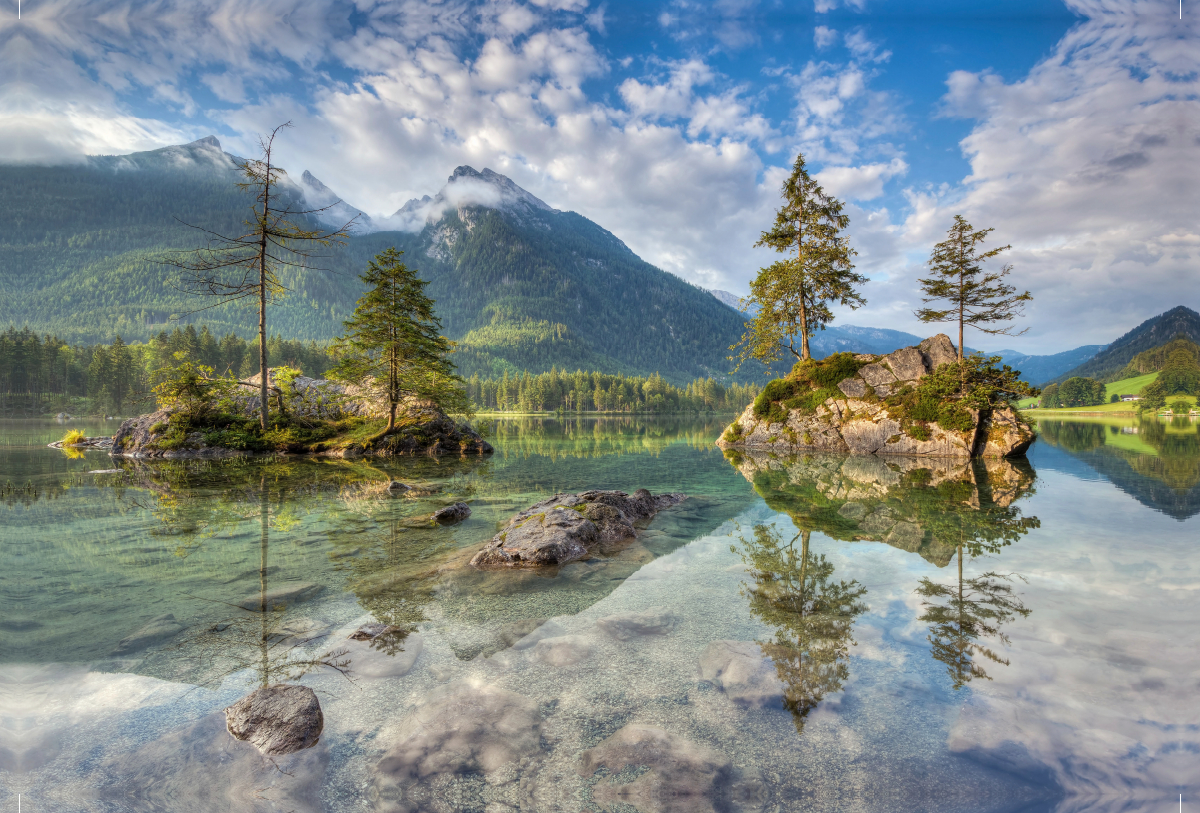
791 297
393 342
973 297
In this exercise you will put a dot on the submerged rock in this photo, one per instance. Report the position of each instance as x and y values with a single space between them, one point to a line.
458 731
277 719
154 631
658 621
860 423
282 596
566 527
200 767
742 672
565 650
682 778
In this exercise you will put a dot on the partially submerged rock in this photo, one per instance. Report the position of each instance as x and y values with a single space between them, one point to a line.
277 719
855 419
566 527
421 428
452 513
282 596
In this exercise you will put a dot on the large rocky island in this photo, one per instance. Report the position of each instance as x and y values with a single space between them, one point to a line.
908 402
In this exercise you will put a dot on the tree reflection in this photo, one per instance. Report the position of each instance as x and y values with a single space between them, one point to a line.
813 616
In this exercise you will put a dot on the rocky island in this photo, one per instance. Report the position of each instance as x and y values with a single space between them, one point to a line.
310 416
917 401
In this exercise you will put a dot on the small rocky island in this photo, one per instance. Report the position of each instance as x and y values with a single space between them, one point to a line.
909 402
312 417
567 527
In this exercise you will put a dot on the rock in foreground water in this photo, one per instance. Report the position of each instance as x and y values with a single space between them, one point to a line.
566 527
277 719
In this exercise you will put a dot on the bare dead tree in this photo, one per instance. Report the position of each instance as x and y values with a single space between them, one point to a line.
249 266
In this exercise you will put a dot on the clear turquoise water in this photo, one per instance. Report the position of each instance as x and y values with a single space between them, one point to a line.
1064 678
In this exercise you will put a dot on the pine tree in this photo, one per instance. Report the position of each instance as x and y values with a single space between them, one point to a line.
792 297
394 338
974 297
252 265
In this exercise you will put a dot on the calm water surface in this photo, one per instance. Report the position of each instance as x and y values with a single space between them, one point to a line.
822 633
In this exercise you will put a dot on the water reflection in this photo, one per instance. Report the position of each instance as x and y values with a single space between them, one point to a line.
938 509
1157 462
813 616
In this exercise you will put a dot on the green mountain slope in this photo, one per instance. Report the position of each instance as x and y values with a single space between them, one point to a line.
519 284
1110 363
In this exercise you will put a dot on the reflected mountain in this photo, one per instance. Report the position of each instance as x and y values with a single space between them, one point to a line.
1154 461
813 616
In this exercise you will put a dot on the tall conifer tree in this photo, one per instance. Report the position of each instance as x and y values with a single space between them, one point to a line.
394 338
973 297
793 296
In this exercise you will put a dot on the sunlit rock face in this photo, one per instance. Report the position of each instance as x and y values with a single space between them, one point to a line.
859 423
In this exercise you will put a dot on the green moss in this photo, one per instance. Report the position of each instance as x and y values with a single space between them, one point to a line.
733 433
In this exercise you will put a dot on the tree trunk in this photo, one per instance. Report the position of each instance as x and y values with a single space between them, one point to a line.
262 299
804 353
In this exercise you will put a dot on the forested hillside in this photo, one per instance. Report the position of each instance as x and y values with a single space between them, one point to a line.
1110 363
520 287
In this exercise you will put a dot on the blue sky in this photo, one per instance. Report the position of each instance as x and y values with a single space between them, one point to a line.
1070 127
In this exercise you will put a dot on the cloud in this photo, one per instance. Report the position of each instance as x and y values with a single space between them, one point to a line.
1085 166
863 182
824 37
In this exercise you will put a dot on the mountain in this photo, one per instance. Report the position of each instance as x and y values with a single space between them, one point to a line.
1038 370
1108 364
838 338
519 284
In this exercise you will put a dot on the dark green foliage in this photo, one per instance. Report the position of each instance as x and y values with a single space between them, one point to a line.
1181 372
1111 363
593 391
1079 392
945 395
1154 396
394 342
43 373
810 384
1050 399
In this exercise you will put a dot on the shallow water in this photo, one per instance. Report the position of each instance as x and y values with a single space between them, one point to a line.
822 633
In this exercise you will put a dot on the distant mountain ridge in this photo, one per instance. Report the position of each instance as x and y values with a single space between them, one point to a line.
518 284
1155 332
842 338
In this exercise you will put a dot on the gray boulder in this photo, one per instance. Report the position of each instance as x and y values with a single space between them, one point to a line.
567 527
277 719
858 421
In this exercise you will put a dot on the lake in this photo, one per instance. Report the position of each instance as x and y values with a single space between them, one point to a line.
821 633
